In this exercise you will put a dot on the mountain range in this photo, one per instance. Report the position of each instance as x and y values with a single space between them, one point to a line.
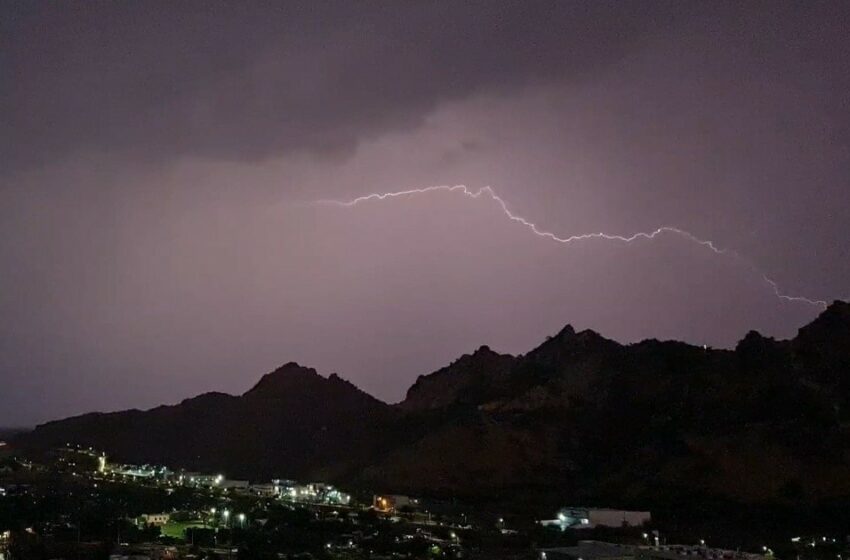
578 419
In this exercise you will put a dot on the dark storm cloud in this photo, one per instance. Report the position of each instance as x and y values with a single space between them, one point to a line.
234 80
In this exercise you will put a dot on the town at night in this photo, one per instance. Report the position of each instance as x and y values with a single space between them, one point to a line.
424 279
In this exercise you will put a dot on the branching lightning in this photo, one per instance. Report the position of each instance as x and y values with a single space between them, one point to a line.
491 194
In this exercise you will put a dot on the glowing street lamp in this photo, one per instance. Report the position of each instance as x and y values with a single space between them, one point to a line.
242 520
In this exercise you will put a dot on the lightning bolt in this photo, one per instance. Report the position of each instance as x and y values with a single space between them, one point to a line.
491 194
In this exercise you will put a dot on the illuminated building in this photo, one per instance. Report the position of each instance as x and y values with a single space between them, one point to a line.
157 519
5 536
393 502
314 492
588 518
228 484
264 490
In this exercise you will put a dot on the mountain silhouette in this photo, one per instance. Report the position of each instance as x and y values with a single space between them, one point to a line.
580 418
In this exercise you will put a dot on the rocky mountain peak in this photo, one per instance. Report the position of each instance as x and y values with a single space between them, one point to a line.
832 323
288 376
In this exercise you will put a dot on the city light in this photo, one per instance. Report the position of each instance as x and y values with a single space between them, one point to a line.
322 493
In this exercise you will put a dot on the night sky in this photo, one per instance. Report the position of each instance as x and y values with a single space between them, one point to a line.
161 166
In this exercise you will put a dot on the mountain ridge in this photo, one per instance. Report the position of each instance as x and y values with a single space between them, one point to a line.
580 417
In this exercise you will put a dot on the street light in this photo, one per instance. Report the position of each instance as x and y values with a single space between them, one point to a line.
242 520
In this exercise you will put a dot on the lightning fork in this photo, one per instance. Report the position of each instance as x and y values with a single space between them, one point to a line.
490 193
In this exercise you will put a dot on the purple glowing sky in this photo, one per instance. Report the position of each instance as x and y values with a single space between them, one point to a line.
160 166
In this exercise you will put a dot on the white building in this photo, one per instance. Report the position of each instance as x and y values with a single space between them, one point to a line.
265 490
158 519
588 518
228 484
